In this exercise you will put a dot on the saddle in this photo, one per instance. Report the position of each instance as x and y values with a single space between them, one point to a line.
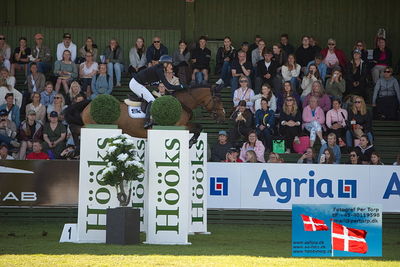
136 106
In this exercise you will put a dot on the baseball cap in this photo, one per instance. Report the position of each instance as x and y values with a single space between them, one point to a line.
222 133
358 51
233 149
3 112
32 112
67 36
53 114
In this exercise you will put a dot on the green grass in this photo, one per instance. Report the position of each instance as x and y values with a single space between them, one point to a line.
23 244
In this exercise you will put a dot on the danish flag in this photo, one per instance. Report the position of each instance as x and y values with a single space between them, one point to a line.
312 224
348 239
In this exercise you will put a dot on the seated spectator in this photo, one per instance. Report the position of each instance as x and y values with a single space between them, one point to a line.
66 44
317 90
66 71
382 59
360 46
243 121
12 109
224 58
266 92
290 123
308 157
89 48
274 158
246 49
254 144
321 66
41 55
114 60
376 159
314 45
87 70
102 83
73 91
308 80
313 120
257 53
219 150
201 57
287 90
6 89
333 57
8 130
58 106
397 162
386 96
36 80
5 74
336 85
265 123
30 131
336 121
304 53
244 93
5 53
137 57
354 158
251 157
364 149
155 51
241 66
4 153
360 121
47 96
78 98
54 134
266 72
288 48
37 152
279 56
291 71
331 144
357 76
37 107
20 57
160 91
233 155
181 61
327 157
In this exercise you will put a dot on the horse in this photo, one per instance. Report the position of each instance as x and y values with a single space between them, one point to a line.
190 99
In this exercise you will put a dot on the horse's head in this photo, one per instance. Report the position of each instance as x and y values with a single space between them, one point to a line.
215 105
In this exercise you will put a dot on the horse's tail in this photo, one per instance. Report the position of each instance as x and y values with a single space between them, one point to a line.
73 113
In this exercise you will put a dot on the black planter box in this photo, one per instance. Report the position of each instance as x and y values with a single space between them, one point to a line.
123 226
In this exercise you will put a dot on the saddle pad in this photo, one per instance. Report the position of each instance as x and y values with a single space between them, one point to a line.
136 112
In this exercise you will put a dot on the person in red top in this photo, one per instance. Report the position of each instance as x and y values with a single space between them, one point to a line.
333 57
37 152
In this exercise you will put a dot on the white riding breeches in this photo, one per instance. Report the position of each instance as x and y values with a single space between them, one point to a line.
140 90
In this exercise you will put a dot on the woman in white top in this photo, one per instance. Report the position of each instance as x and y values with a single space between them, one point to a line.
312 76
291 72
37 107
243 93
87 70
137 57
266 92
58 106
5 74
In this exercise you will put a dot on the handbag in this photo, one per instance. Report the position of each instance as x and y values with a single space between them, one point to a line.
278 146
304 144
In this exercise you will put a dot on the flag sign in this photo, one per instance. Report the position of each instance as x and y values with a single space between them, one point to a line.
342 230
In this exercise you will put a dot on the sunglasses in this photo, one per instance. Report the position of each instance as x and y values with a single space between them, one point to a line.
331 44
357 102
287 100
387 71
156 42
353 155
57 97
2 38
243 81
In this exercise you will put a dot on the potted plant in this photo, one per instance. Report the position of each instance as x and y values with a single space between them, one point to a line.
123 167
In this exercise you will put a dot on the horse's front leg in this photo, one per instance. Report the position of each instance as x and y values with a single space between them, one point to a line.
195 129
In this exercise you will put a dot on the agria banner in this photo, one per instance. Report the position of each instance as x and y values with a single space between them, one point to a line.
278 186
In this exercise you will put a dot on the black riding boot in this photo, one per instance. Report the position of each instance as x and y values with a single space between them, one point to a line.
148 121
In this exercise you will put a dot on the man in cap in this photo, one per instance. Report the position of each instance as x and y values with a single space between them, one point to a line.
219 150
66 44
8 130
233 155
41 54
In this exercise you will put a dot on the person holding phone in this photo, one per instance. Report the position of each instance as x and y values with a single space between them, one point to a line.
327 157
308 157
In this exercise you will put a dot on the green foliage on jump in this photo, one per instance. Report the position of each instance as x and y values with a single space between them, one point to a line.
105 109
166 110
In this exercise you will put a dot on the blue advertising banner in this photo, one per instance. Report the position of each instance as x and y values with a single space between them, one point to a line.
330 230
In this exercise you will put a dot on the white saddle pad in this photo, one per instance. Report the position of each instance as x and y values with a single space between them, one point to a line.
136 113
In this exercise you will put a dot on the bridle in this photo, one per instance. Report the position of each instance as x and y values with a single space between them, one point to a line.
214 108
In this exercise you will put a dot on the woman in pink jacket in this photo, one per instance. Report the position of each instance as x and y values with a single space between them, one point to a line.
253 144
336 121
317 90
313 120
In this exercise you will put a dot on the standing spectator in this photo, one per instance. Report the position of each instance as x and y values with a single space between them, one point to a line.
304 53
243 121
41 54
257 53
376 159
244 93
333 57
5 53
89 47
21 57
254 144
290 122
30 131
313 120
364 149
265 123
11 108
5 74
221 148
225 56
257 39
288 48
102 82
382 59
4 153
37 152
331 144
327 157
114 59
386 96
47 96
357 76
65 70
308 157
37 107
87 70
266 92
137 56
201 57
155 51
266 72
360 121
336 85
291 72
308 80
8 130
66 44
180 61
287 91
36 80
336 121
354 158
322 67
317 91
240 66
54 133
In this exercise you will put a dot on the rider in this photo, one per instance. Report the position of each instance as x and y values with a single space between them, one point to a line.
152 74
